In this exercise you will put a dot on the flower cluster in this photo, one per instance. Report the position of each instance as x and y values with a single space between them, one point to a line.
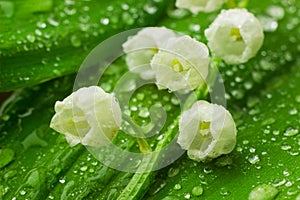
176 62
182 63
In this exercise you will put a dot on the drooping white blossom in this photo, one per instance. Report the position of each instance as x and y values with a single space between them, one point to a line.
89 116
183 64
235 36
206 131
141 47
196 6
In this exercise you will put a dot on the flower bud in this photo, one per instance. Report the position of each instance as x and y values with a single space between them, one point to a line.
89 116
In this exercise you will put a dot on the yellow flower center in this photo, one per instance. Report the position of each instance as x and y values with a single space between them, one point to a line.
176 65
235 33
204 129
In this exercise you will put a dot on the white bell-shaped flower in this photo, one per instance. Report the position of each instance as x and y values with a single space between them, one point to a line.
206 131
183 64
235 36
89 116
196 6
141 47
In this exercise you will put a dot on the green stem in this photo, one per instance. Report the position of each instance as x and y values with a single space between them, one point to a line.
231 4
243 4
140 181
143 145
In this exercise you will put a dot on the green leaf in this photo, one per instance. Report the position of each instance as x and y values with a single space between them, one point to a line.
262 96
43 40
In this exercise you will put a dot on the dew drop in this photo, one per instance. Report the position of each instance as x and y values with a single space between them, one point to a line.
30 38
175 100
276 12
290 132
5 117
41 24
262 192
238 94
252 101
104 21
62 181
268 121
194 27
248 85
207 170
276 132
177 186
150 9
292 192
286 147
127 18
75 41
158 186
83 168
224 192
294 111
197 191
140 96
252 150
187 196
268 23
53 22
70 10
288 184
144 113
173 172
22 192
297 98
178 13
253 160
285 173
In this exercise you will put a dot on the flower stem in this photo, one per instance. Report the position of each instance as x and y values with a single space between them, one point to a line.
231 4
243 3
143 145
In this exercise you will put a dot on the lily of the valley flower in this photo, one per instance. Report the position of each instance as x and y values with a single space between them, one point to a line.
141 48
196 6
235 36
206 131
89 116
181 65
